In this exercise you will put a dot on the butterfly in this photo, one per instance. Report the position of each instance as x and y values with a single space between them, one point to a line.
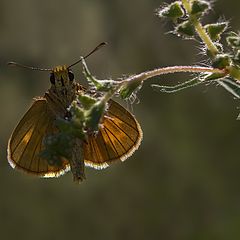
118 137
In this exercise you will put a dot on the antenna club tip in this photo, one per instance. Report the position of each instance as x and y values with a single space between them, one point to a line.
104 43
11 64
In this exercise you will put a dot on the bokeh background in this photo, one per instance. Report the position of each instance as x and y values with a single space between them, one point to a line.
182 183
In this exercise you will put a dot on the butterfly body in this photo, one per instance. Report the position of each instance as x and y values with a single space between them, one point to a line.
118 137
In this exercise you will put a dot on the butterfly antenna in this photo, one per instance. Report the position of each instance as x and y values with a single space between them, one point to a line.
15 64
90 53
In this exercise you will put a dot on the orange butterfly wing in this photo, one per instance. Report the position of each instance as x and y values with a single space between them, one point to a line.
118 137
26 142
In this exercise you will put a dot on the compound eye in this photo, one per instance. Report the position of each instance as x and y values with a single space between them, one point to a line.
52 78
71 75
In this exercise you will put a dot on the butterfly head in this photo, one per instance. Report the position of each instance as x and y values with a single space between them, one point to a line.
61 77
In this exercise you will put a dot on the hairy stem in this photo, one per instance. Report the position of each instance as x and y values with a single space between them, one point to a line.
175 69
187 5
200 29
205 38
161 71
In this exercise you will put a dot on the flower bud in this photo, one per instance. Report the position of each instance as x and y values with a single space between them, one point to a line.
221 61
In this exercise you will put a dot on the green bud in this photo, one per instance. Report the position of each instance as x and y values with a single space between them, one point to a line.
128 88
94 115
216 29
185 29
86 101
173 11
221 61
199 7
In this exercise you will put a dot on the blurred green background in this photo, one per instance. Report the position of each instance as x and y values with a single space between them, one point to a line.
182 183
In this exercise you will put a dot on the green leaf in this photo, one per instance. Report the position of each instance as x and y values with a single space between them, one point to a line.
216 29
213 76
57 147
233 40
173 11
99 85
199 7
185 29
86 101
234 72
236 58
179 87
129 88
231 86
94 115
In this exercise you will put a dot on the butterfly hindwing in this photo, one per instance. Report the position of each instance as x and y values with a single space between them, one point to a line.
118 137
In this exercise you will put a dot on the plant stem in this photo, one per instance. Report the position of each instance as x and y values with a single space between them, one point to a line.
111 93
187 5
205 38
200 29
161 71
175 69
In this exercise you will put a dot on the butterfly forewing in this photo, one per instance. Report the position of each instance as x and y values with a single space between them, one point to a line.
118 137
26 142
